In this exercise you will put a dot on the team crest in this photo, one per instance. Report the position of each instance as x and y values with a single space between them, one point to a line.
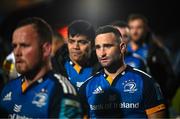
40 99
130 86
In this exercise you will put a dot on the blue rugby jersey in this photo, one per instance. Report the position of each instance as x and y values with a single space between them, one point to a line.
49 97
136 61
77 74
142 50
132 94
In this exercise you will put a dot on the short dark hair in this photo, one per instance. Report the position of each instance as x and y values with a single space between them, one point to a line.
44 30
138 16
121 24
109 29
81 27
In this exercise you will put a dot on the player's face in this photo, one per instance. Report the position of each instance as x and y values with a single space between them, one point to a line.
137 29
124 33
107 49
79 48
26 48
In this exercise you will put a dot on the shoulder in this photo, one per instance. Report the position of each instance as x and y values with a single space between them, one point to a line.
11 86
136 71
91 80
14 82
138 74
148 81
64 83
135 56
94 77
141 73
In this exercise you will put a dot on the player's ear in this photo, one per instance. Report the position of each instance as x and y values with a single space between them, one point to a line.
47 47
123 47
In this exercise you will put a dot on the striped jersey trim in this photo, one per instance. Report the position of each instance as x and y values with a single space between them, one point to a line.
155 109
142 72
66 85
91 77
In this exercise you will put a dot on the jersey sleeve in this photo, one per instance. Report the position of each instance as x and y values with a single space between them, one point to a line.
152 97
65 101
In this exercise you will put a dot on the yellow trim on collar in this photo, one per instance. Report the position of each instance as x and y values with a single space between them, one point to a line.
77 68
24 86
109 79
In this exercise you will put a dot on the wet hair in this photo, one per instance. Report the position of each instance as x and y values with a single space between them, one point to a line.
121 24
81 27
138 16
43 29
109 29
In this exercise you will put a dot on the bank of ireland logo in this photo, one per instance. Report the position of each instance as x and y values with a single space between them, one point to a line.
129 86
40 99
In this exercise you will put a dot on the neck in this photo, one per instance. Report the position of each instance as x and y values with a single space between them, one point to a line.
134 46
37 74
80 63
117 70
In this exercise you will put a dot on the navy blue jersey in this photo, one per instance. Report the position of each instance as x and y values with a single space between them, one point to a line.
51 96
136 61
132 94
62 64
77 74
142 50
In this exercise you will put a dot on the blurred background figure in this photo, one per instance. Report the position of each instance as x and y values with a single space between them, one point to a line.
153 52
173 45
131 58
123 27
9 67
57 42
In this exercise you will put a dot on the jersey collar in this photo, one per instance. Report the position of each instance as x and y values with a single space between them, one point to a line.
77 67
109 78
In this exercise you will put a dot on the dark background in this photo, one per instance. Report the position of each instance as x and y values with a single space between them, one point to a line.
163 16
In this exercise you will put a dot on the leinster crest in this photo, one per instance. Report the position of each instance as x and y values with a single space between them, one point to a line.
40 99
